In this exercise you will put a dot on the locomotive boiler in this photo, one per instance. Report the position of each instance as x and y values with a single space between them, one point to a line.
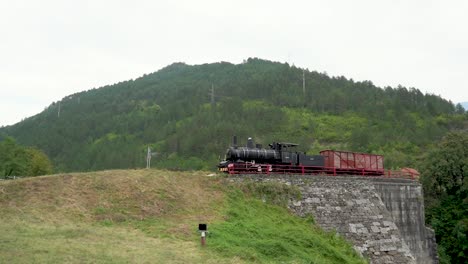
278 154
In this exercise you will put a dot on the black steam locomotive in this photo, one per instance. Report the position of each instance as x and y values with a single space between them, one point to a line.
280 155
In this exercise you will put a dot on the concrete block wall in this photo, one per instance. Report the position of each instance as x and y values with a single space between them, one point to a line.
404 200
383 218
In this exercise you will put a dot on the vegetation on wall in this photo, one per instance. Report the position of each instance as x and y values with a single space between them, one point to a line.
259 232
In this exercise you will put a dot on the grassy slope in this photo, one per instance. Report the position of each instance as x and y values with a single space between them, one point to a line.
151 216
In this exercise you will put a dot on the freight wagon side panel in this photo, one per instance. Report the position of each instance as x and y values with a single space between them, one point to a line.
352 160
328 160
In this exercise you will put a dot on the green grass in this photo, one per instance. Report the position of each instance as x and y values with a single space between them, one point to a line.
257 231
151 216
24 242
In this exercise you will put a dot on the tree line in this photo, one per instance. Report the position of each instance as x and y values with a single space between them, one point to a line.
17 160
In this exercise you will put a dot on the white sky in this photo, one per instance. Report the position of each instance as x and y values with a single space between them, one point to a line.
50 49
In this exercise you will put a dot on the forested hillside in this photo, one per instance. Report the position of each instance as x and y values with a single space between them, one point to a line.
171 110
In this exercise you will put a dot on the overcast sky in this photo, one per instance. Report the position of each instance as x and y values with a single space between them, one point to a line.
50 49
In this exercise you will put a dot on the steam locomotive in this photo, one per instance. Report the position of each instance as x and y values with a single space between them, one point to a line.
281 157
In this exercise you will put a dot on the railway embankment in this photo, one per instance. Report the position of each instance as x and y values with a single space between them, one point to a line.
383 218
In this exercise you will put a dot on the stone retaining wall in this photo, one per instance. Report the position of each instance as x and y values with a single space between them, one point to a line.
383 218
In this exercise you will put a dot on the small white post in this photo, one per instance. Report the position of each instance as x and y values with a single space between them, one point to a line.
203 238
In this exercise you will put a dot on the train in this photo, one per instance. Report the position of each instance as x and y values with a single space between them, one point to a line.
283 158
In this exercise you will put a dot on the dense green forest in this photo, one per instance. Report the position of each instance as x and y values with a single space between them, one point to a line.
445 183
175 113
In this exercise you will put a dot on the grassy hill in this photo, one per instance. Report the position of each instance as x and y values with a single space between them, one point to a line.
151 216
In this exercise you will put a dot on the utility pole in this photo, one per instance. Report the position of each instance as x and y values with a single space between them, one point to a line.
148 158
303 87
212 96
303 83
58 114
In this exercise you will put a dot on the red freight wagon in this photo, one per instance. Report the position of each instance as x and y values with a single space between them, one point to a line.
344 160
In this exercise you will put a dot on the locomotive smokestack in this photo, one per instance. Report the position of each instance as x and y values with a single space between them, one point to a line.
250 143
234 141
